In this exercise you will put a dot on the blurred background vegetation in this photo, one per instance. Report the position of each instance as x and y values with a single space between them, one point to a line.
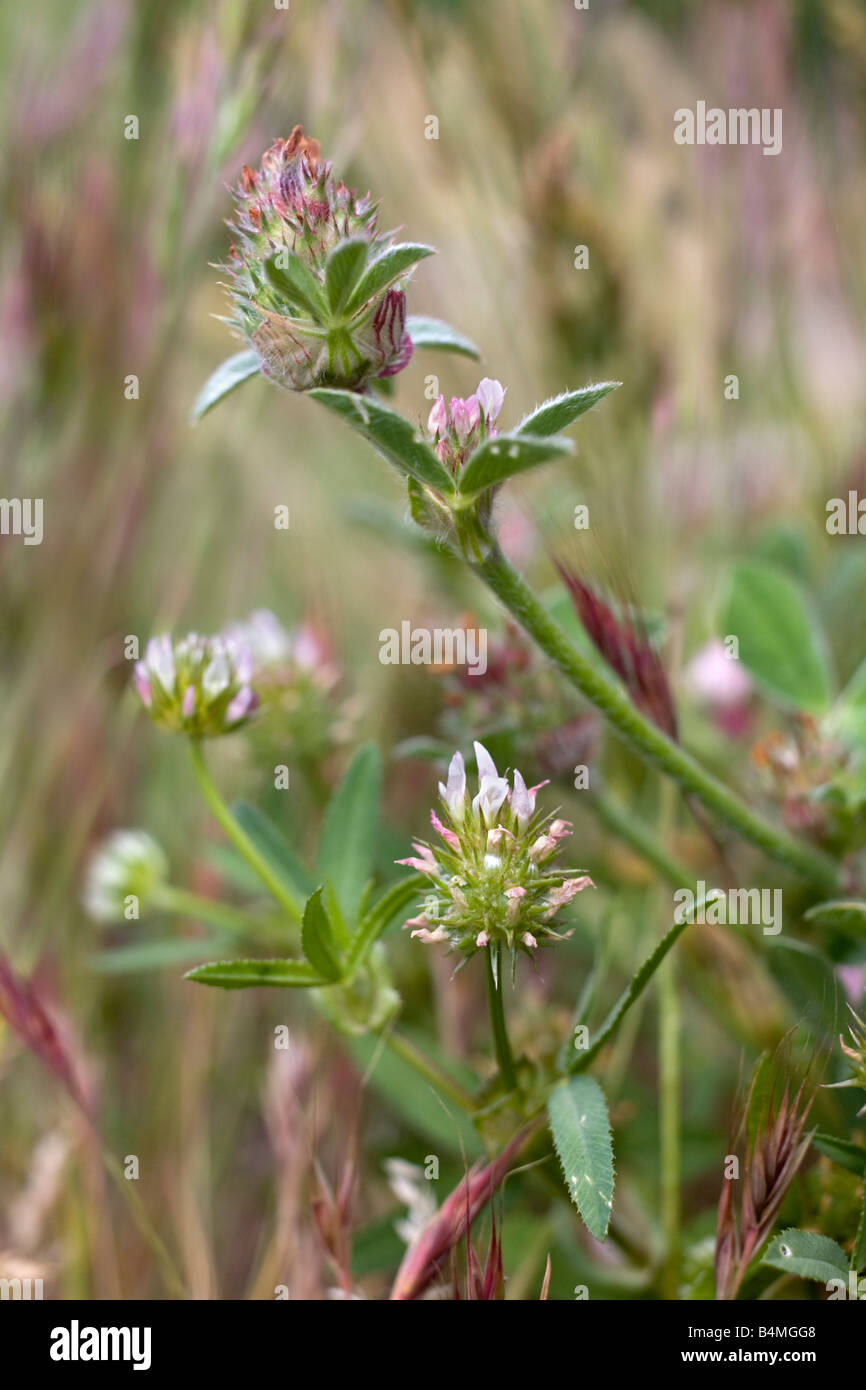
555 130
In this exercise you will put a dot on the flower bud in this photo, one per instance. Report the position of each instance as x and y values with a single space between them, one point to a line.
128 864
310 329
438 417
457 431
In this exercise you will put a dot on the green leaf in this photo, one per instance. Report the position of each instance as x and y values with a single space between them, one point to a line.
317 939
272 844
858 1254
808 1255
349 830
847 719
384 269
395 900
227 377
394 437
432 333
778 640
246 974
561 411
296 282
343 267
507 454
848 915
581 1134
842 1151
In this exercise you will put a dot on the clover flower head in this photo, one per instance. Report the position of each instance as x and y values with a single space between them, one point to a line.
129 863
457 430
492 880
263 636
280 658
311 292
200 686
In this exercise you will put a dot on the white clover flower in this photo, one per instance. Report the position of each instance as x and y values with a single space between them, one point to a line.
198 686
129 863
491 880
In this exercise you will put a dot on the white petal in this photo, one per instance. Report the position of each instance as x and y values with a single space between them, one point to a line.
454 794
159 659
483 761
522 801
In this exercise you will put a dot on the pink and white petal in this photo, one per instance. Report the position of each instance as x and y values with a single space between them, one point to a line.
447 835
490 395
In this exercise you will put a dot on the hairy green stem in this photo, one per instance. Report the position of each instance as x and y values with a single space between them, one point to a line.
238 835
670 1085
603 691
670 1157
501 1045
